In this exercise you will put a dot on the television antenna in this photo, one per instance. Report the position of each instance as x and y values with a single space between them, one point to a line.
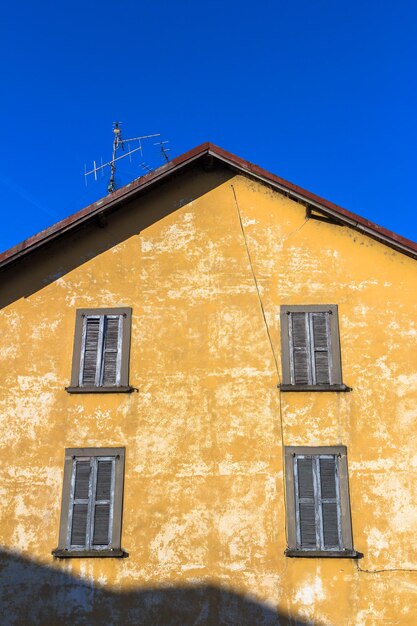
164 150
118 144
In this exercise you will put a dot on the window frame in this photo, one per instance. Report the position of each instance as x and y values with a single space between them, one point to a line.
335 364
64 549
342 486
125 314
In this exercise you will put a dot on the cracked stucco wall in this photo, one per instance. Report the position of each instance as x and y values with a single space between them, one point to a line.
203 500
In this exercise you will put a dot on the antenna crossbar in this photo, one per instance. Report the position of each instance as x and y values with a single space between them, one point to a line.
139 138
96 169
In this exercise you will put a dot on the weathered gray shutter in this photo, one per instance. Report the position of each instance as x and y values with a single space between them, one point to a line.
320 347
329 502
299 341
317 485
102 504
91 347
110 351
80 503
306 503
310 349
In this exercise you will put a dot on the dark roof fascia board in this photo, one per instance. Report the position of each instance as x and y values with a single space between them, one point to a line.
104 205
126 193
327 208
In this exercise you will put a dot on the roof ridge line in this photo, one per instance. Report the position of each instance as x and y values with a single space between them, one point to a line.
119 197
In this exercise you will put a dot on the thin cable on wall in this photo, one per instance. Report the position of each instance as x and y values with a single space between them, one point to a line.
257 286
382 570
255 280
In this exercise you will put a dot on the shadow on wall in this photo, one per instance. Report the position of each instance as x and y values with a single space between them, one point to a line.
55 259
34 594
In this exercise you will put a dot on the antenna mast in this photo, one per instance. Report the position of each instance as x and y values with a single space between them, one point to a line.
117 138
118 143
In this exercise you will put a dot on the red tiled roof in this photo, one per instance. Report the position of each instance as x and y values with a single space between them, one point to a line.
125 194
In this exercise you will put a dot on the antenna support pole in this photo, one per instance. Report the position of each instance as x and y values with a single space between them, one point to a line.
116 141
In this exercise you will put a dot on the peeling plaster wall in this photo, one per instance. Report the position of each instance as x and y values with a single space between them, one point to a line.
203 499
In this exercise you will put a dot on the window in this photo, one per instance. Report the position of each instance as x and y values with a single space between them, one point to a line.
101 351
311 349
318 509
92 496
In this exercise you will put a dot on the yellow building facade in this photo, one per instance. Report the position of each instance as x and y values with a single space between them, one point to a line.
208 255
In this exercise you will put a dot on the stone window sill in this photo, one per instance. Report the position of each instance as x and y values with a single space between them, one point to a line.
94 389
339 387
62 553
329 554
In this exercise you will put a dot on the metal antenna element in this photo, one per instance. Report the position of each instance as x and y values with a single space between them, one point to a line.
164 150
118 144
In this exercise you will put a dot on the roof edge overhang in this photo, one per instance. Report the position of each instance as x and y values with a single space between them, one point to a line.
120 197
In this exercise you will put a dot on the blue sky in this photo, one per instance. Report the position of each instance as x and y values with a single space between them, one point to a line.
322 93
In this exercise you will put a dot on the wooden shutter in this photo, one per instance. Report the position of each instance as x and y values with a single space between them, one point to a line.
299 351
320 347
103 502
111 351
91 511
79 513
329 501
306 503
91 349
317 502
92 502
310 347
101 353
